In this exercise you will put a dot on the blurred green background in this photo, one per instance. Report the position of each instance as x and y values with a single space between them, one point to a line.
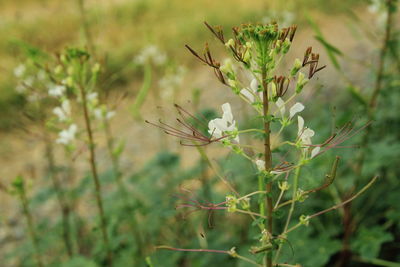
348 37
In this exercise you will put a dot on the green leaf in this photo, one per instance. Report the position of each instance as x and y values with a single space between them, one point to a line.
355 93
368 241
79 261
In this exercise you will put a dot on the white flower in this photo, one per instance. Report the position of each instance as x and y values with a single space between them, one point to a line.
92 97
305 134
57 90
281 106
65 137
251 92
152 53
29 81
260 165
315 151
19 71
296 108
20 88
63 112
102 113
218 126
41 75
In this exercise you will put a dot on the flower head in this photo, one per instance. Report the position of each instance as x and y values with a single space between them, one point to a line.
64 112
65 137
56 90
220 126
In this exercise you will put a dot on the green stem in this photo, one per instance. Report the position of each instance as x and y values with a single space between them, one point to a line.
31 228
289 217
96 180
143 92
64 207
267 158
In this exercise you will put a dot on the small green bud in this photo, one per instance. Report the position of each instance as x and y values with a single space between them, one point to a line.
300 196
285 46
96 68
273 89
230 43
296 67
231 203
284 186
301 81
305 220
58 69
232 252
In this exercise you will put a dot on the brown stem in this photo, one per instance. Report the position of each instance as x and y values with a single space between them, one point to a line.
92 161
267 158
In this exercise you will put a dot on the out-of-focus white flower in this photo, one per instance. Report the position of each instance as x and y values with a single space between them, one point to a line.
41 75
296 108
102 113
20 88
64 112
260 164
151 53
285 18
219 126
375 6
65 137
33 97
251 91
29 81
19 71
56 90
171 81
92 99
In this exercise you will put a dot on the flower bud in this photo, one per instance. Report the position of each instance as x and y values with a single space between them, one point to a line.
230 43
286 45
301 81
58 69
231 203
284 186
96 68
227 66
297 66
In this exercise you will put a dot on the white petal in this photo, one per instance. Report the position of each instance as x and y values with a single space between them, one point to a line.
260 165
300 124
281 106
254 85
315 151
296 108
227 116
245 92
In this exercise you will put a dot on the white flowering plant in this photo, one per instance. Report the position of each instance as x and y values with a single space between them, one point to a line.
252 73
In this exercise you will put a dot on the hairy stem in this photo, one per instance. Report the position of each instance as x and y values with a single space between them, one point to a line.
267 158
